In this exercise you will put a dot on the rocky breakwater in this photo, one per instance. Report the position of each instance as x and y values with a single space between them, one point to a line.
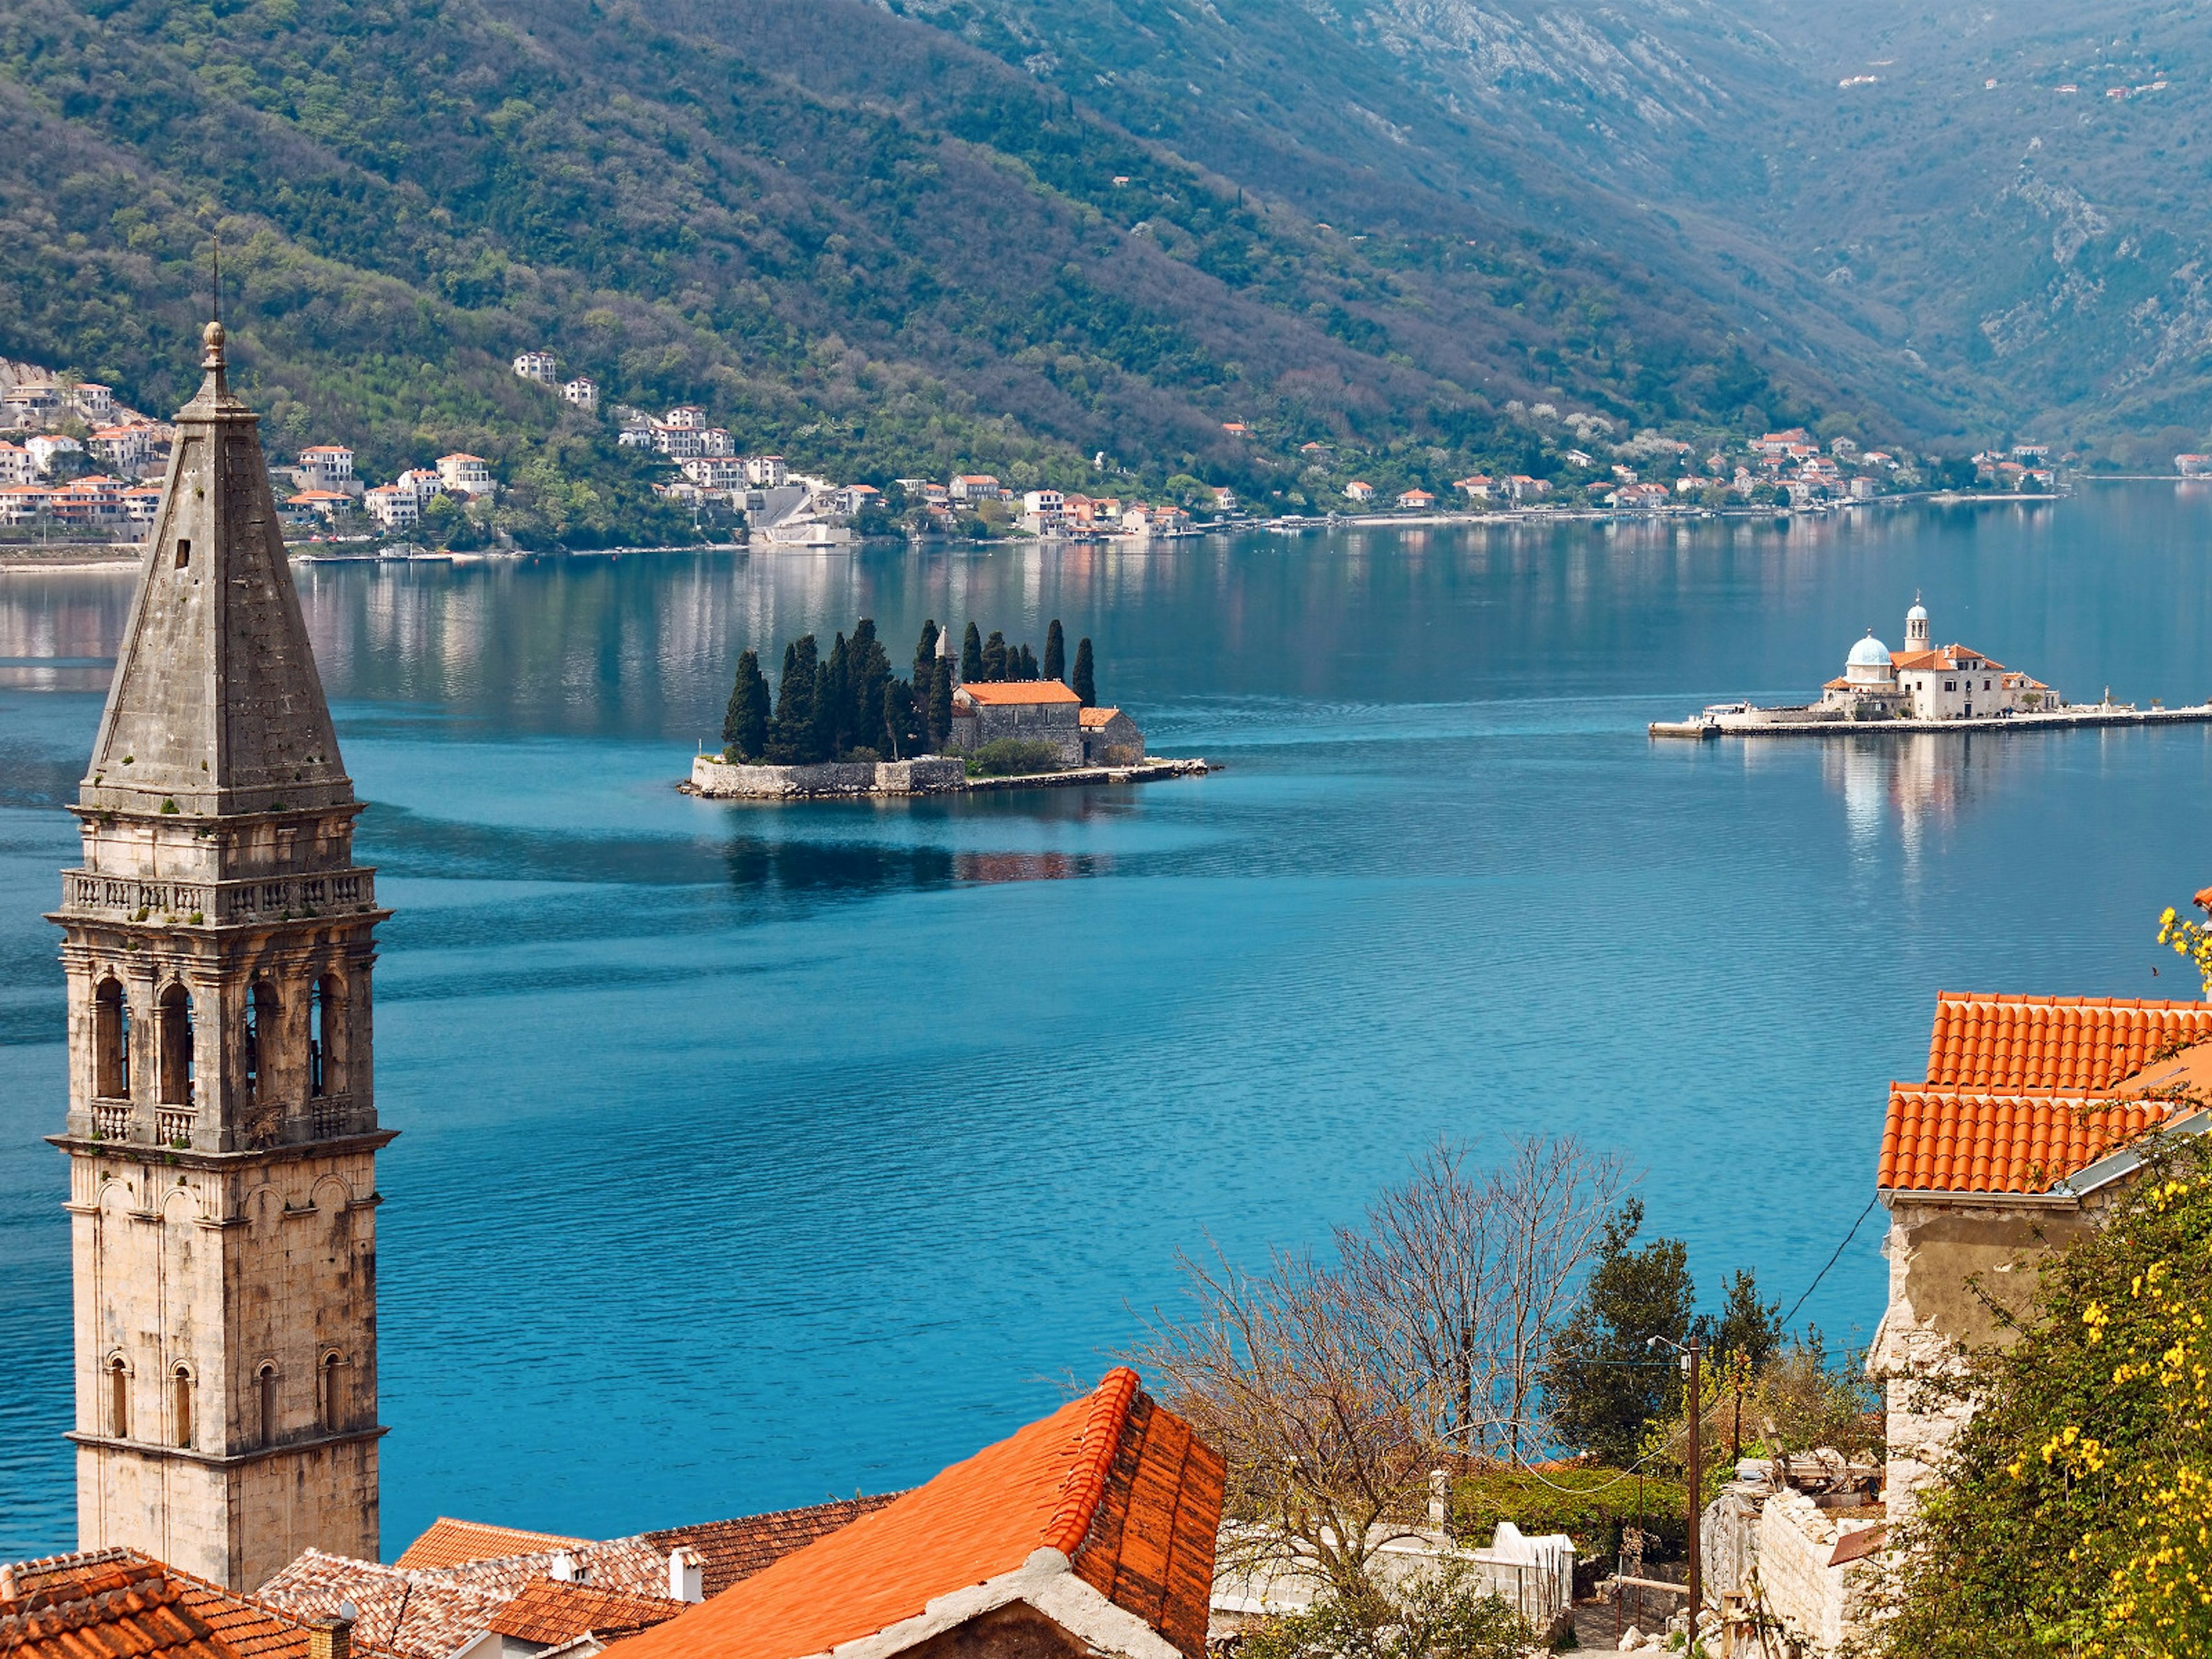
717 779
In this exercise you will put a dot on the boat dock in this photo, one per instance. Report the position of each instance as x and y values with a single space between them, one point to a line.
1742 721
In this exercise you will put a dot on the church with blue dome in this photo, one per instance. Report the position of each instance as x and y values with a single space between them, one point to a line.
1929 682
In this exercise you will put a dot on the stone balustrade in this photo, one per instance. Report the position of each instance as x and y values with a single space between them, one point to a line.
85 894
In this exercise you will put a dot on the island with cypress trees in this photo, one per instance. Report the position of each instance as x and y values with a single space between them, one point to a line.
991 715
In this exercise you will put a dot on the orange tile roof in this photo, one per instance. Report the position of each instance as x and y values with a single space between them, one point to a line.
108 1605
730 1550
552 1613
1119 1486
244 1625
1010 693
448 1543
2084 1045
1937 1140
1096 716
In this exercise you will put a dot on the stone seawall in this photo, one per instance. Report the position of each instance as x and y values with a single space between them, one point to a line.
721 779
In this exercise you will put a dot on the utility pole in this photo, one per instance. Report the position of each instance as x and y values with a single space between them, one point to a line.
1697 1481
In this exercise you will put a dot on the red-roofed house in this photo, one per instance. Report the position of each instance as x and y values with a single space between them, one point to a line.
1089 1533
121 1602
2034 1113
1029 711
1110 738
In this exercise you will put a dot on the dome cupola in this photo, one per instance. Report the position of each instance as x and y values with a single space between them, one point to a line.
1868 661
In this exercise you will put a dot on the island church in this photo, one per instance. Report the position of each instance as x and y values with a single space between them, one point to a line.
1925 683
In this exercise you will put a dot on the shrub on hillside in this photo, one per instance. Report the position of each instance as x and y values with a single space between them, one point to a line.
1590 1505
1010 757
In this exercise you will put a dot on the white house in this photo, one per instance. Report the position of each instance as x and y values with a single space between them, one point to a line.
583 391
16 467
1043 512
687 418
94 401
465 475
393 507
538 365
325 466
766 472
1479 486
1359 490
48 449
715 471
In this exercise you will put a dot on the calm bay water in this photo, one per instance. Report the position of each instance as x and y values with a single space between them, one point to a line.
754 1155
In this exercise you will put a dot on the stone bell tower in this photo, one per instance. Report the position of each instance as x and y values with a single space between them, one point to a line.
222 1133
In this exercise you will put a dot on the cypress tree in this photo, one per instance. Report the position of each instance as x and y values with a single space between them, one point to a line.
994 656
868 670
902 719
941 705
1086 683
971 654
794 703
1055 651
1029 665
834 707
744 726
821 730
925 652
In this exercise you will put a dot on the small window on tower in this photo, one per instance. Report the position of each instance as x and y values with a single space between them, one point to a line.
181 1382
118 1397
183 554
330 1402
111 1024
267 1379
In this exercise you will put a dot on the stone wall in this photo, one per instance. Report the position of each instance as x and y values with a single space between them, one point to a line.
721 780
1818 1604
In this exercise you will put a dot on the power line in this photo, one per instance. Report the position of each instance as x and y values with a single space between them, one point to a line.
1832 1259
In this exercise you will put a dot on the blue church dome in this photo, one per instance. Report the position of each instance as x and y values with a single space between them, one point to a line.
1869 653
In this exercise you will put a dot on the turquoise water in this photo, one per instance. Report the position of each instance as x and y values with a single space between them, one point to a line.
751 1155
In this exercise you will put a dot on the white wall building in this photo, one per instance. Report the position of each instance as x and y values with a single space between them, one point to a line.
766 472
465 475
325 466
583 391
48 447
1931 682
392 506
539 366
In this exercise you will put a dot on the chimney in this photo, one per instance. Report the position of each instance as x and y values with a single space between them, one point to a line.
564 1568
331 1638
686 1582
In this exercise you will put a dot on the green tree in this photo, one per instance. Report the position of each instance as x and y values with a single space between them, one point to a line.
1055 651
925 653
1026 668
971 654
789 736
1604 1381
940 704
1749 1329
994 656
868 672
902 723
1086 683
744 725
822 730
834 701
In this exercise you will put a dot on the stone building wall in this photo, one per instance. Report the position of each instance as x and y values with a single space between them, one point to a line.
1055 723
1821 1605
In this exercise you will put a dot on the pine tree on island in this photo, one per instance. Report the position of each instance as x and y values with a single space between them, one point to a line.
1086 683
971 654
744 726
789 735
925 653
994 657
1027 668
1055 651
940 704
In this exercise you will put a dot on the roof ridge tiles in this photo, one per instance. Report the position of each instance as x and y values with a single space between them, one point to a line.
1085 1483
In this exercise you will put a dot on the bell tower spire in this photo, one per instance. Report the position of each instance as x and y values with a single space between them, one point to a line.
223 1131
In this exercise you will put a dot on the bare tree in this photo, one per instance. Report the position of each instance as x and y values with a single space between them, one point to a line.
1332 1392
1328 1455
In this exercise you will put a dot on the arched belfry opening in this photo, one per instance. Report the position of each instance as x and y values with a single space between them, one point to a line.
111 1040
326 1017
177 1075
260 1041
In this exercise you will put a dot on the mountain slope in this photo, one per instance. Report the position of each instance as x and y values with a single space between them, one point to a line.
858 240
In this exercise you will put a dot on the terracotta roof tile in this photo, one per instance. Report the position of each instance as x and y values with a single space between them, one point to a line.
1096 716
1111 1480
553 1613
2079 1043
1944 1141
448 1543
104 1605
732 1551
249 1627
417 1615
1011 693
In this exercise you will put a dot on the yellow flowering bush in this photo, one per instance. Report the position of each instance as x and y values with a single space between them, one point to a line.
2190 939
2076 1513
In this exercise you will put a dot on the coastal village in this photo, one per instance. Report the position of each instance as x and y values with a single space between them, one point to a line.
76 462
223 1139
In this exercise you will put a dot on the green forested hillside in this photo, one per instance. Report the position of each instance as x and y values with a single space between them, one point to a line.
857 240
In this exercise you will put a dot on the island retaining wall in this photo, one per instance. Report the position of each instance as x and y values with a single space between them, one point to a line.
721 779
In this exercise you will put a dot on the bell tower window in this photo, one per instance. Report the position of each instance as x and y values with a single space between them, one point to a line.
324 1007
111 1040
118 1397
260 1035
265 1381
329 1400
180 1384
176 1060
